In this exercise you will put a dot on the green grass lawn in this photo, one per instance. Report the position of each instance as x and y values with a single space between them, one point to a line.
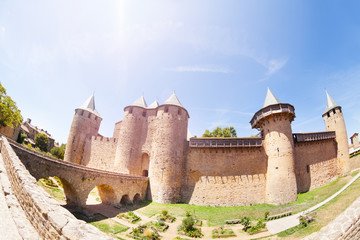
216 216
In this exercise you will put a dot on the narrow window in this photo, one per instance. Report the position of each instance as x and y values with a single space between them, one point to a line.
130 110
144 113
307 168
166 109
179 111
328 114
82 112
334 111
95 118
89 115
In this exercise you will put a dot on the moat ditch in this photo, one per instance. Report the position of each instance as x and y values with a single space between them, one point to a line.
105 217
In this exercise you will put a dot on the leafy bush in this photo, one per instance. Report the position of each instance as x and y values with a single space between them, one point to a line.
21 138
187 226
164 212
245 221
42 141
266 214
58 152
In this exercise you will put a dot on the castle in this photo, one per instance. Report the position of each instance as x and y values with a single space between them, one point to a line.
152 141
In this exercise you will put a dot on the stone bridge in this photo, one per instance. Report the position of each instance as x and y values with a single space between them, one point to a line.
78 181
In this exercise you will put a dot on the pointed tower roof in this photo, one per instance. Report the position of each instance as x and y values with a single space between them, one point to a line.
155 104
89 105
173 100
270 99
140 102
330 103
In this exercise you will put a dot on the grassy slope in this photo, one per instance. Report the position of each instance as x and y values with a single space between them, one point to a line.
216 216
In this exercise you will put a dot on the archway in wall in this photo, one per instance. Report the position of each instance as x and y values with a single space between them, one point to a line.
60 189
145 159
137 198
102 193
125 200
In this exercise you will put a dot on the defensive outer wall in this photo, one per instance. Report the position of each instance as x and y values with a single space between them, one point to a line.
273 168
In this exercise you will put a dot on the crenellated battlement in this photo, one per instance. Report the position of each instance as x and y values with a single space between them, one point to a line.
103 139
315 136
224 142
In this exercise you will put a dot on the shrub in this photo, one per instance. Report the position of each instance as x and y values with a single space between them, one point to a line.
245 221
187 213
266 214
164 212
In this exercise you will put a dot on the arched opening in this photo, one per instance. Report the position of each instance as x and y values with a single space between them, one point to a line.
54 187
137 198
102 193
60 189
145 164
125 200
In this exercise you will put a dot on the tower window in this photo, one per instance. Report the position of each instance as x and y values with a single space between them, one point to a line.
95 118
179 111
328 114
144 113
334 111
82 112
307 168
130 110
166 109
89 115
340 110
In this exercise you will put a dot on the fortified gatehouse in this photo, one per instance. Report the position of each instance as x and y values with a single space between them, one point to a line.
152 141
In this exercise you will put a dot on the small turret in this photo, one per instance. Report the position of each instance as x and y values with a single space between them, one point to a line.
85 124
274 122
170 138
334 121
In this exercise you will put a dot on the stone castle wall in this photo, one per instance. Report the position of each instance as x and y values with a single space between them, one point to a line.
225 176
47 216
355 162
99 153
315 163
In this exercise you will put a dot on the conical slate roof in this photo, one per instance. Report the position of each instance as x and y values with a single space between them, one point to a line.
140 102
155 104
173 100
270 99
89 105
330 103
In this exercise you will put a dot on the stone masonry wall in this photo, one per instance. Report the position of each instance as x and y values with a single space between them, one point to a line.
315 164
99 153
225 176
46 215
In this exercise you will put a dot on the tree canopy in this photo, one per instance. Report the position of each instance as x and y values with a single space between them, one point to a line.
42 141
58 152
9 113
220 132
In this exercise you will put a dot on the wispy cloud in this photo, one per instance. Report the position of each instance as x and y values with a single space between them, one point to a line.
200 69
275 65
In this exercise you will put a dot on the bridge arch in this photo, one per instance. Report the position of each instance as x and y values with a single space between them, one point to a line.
136 198
125 200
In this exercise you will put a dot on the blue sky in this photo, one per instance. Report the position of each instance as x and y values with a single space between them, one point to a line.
219 57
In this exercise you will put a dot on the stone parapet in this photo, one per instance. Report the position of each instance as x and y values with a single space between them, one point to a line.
281 108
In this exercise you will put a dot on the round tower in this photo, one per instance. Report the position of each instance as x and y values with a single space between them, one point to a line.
334 121
85 124
274 122
129 143
167 154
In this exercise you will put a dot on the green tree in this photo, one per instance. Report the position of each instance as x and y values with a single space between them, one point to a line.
9 113
42 141
58 152
219 132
